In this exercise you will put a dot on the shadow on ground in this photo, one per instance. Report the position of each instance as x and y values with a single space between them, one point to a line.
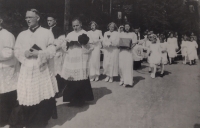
66 113
137 79
197 126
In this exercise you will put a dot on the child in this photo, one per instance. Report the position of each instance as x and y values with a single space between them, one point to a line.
172 47
192 50
164 60
155 54
184 49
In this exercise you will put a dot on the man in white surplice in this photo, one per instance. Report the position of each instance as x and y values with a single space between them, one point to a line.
37 84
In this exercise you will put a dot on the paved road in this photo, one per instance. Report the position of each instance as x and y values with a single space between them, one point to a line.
169 102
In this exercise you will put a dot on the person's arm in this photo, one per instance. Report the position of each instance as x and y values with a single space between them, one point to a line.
20 52
49 52
8 47
115 39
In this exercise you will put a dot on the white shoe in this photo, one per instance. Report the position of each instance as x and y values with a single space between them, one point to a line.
121 83
107 78
91 80
124 85
96 79
111 80
152 75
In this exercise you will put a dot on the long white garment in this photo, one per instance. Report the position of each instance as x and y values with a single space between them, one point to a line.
164 59
155 55
96 38
9 66
36 78
111 53
126 60
75 66
184 48
192 50
172 47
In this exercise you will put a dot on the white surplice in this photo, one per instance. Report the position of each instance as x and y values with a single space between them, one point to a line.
9 66
37 80
75 65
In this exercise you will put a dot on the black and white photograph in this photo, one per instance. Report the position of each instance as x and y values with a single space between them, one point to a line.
99 64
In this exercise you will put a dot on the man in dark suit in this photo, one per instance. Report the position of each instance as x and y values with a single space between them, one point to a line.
137 64
57 32
52 23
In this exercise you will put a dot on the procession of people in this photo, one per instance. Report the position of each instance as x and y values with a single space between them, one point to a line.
45 64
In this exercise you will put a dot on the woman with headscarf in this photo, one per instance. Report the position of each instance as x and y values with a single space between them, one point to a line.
95 41
121 29
111 52
126 56
75 66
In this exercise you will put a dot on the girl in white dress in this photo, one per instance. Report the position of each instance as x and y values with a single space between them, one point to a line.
111 52
192 50
95 41
155 54
184 49
163 45
172 47
126 58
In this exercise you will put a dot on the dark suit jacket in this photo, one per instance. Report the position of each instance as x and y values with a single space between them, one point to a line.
141 36
57 31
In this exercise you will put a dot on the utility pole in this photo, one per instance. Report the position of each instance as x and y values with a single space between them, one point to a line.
66 15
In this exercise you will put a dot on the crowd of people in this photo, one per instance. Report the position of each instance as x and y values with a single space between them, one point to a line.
44 64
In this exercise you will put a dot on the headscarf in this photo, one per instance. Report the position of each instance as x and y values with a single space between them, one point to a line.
122 26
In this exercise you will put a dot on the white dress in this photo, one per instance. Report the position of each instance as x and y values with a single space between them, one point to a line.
126 60
111 54
9 66
164 59
37 80
172 47
155 55
192 50
75 65
184 48
96 38
137 52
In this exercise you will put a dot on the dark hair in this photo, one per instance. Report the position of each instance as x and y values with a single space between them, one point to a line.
35 11
83 39
77 18
52 15
128 23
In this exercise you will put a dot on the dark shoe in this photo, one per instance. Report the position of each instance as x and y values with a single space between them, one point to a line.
54 114
161 75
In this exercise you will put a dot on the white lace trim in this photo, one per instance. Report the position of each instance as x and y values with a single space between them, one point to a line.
35 85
